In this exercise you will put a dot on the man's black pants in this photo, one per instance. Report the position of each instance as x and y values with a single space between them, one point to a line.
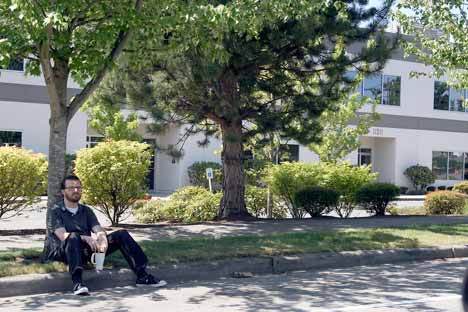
75 252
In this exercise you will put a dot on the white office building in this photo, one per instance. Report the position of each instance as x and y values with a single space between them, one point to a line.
423 121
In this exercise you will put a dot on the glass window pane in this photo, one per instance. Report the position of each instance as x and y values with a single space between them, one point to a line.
456 166
391 90
439 165
289 152
364 156
441 95
466 167
351 76
373 87
456 100
10 138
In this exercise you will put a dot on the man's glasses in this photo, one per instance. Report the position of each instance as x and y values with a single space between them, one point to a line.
73 188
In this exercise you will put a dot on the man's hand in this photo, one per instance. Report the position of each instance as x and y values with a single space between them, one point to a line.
102 243
91 242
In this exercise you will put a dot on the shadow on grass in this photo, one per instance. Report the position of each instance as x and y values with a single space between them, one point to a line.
209 249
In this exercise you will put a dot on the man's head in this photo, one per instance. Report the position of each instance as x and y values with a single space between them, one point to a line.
71 188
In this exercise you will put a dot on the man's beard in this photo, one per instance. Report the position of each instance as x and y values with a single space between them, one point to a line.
73 198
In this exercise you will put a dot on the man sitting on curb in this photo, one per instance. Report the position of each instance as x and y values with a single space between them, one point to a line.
69 240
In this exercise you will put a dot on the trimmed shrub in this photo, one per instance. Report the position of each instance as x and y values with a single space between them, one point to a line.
255 171
286 178
420 176
430 188
316 200
197 174
376 196
23 177
188 205
346 179
256 202
444 203
113 174
461 187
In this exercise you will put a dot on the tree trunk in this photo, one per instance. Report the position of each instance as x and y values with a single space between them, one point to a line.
56 81
233 203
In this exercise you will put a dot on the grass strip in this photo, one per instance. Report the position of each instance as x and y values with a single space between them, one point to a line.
26 261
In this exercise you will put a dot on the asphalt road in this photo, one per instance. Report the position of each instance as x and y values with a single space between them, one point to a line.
426 286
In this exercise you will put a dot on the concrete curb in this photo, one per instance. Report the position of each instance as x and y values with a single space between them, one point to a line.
53 282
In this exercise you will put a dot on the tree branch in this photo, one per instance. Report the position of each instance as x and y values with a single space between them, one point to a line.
92 85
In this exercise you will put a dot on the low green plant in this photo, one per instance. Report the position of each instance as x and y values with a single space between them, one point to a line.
113 175
256 202
188 205
197 174
445 203
375 197
420 176
316 200
23 177
286 178
346 179
149 211
461 187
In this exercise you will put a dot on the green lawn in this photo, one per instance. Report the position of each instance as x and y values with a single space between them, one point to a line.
26 261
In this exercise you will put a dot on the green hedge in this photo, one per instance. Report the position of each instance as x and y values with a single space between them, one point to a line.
316 200
376 196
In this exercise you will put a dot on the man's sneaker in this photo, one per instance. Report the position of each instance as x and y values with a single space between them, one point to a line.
150 280
80 290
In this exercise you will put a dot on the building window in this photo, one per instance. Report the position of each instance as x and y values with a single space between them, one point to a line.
450 99
455 166
391 90
289 152
10 138
385 89
364 156
441 95
450 165
92 141
372 87
16 64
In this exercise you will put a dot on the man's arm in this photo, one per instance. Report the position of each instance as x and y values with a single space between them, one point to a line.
61 233
101 238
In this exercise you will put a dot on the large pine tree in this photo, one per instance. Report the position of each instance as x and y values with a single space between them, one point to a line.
278 80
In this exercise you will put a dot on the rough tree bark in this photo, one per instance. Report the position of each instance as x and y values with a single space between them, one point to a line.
233 203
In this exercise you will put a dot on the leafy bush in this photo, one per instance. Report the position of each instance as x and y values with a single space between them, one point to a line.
316 200
113 175
376 196
286 178
445 203
346 179
461 187
197 174
420 176
254 172
150 211
23 177
188 205
256 202
70 164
